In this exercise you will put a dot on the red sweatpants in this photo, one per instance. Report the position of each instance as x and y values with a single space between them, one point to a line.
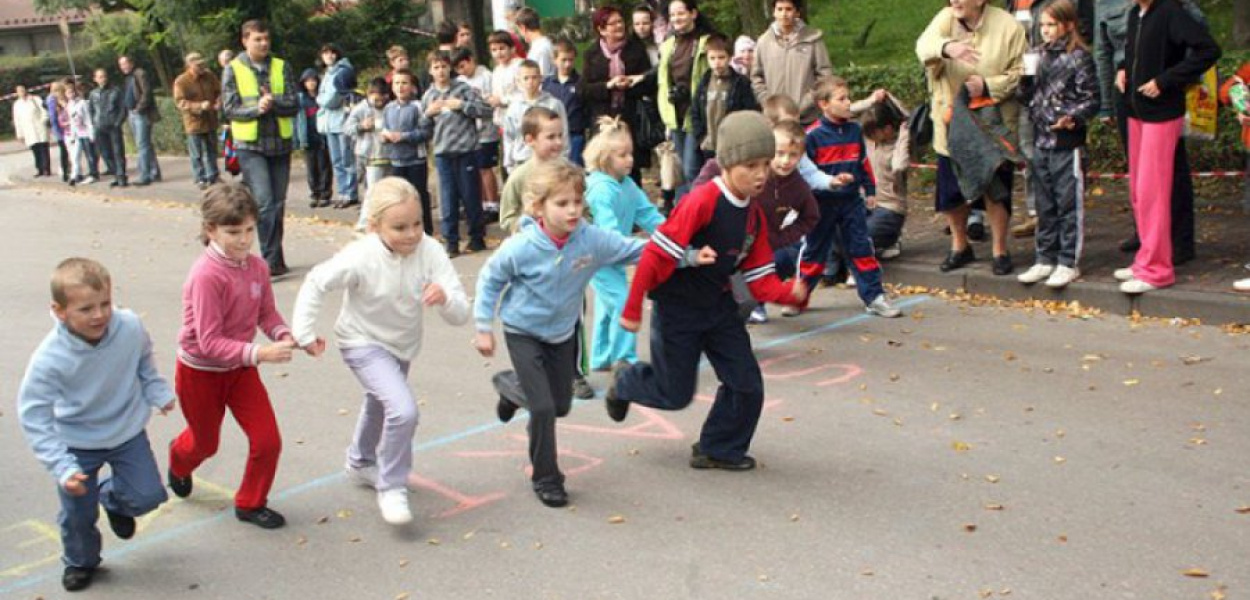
205 396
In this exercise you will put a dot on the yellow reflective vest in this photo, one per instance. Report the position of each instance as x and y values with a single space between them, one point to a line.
249 92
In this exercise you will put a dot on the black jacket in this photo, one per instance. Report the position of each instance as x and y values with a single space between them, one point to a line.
1170 47
741 97
597 98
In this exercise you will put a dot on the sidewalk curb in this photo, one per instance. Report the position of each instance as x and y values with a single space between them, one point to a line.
1213 308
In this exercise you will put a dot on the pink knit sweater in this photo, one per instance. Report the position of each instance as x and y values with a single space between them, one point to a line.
223 302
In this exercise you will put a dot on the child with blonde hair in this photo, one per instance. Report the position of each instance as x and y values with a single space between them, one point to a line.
616 204
388 278
539 318
226 297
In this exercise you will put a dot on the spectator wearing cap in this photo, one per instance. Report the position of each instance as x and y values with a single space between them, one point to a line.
197 94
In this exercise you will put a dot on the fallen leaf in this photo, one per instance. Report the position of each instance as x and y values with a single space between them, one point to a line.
867 573
301 541
342 411
403 596
1243 510
1193 359
763 578
344 513
616 519
1195 572
403 563
994 507
355 539
538 545
787 419
1131 382
991 478
955 416
898 422
1063 539
880 412
433 541
794 517
323 520
1060 460
970 527
933 407
1009 356
894 376
961 446
1059 433
1218 593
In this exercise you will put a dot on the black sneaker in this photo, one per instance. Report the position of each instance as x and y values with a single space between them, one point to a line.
553 495
505 409
699 460
77 578
278 272
477 246
263 517
958 260
1002 265
618 408
453 250
582 389
123 526
181 486
1130 245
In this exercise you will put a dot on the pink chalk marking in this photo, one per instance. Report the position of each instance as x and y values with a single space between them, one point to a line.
653 426
849 371
463 502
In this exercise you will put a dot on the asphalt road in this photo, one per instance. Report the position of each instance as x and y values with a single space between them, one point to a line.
955 453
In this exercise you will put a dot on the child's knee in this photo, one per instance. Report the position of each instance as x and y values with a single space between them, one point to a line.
141 501
265 443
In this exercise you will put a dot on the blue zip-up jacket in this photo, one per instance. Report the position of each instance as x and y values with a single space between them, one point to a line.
76 395
333 95
537 288
409 119
567 94
838 148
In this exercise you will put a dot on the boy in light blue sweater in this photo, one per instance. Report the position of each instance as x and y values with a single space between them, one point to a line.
84 402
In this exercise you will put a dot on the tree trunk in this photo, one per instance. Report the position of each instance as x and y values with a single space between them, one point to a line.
754 17
1241 24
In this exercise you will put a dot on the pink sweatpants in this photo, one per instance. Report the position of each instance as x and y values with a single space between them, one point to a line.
1151 154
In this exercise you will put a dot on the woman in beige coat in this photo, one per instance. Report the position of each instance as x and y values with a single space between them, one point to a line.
30 121
979 47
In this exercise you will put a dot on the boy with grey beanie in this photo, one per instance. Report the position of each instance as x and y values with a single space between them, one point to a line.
694 308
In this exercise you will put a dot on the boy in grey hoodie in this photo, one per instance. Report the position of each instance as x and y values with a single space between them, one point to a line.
84 402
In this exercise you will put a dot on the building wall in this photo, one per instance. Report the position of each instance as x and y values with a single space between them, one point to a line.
34 42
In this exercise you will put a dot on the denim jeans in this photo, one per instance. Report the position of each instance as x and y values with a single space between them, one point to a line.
203 150
344 161
141 127
418 175
133 488
267 177
112 149
687 146
459 186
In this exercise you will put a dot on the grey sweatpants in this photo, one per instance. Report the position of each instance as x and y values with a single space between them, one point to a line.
388 416
1059 180
541 383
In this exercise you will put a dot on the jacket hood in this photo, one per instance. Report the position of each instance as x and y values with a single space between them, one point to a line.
528 226
76 343
808 35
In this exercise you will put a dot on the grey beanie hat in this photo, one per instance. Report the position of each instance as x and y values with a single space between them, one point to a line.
742 136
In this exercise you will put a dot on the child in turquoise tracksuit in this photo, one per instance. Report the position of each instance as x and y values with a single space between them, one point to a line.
617 204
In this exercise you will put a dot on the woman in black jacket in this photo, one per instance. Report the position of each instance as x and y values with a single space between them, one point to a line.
1166 51
615 91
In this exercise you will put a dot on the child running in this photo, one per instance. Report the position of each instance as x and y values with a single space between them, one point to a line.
85 401
616 204
536 281
226 297
695 312
1062 97
389 277
789 206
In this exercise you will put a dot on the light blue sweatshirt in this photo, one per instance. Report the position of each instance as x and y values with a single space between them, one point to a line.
76 395
537 287
620 205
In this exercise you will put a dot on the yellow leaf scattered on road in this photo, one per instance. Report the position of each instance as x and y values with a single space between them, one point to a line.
616 519
994 507
1195 572
970 527
991 478
959 446
1131 382
1243 510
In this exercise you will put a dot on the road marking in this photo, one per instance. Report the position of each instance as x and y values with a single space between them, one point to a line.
180 531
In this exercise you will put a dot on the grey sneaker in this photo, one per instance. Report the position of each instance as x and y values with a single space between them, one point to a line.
582 389
882 308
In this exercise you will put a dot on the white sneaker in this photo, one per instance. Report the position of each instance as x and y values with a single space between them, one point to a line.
759 315
791 311
394 506
88 181
1136 286
1242 285
1036 273
892 251
882 308
1062 277
363 476
1124 274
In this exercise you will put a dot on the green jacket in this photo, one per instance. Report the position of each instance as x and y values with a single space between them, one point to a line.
668 112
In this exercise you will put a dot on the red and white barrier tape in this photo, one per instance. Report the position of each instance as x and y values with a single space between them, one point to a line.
28 89
1097 175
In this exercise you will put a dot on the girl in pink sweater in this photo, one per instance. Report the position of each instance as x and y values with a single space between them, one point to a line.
225 298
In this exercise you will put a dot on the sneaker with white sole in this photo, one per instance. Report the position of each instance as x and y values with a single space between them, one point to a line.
759 315
1136 286
1036 273
363 476
1242 285
1124 274
892 251
791 311
394 506
1062 277
882 308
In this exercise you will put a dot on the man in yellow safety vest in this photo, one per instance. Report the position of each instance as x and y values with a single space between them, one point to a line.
260 100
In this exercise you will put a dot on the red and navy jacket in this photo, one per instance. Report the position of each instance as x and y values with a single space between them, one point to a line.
838 147
708 216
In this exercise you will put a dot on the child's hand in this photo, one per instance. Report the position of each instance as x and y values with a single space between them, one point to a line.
870 202
277 352
629 324
485 343
433 295
434 108
366 124
168 408
493 101
1121 80
880 96
843 179
1150 89
317 348
453 104
1064 122
799 291
76 485
706 256
390 136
